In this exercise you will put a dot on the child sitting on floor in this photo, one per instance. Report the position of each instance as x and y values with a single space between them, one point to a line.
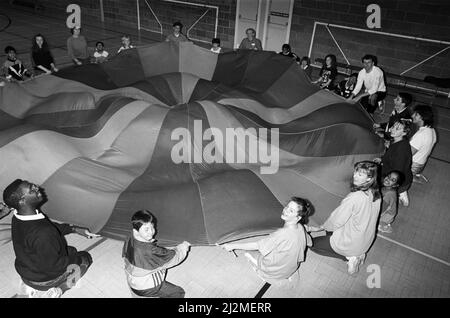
305 64
216 45
146 263
100 54
389 205
281 253
126 43
346 87
13 67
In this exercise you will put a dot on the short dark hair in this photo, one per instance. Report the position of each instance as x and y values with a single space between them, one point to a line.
369 57
250 29
406 98
426 113
306 208
99 42
10 48
401 177
178 23
286 46
215 40
141 217
12 194
307 59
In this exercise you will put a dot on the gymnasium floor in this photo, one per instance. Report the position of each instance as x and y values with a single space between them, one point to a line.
414 261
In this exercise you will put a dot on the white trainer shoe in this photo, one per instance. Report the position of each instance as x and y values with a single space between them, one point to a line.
354 262
403 198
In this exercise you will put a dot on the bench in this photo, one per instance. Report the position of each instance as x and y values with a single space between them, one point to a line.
396 81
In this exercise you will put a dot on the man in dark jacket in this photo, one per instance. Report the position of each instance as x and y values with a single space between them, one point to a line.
47 265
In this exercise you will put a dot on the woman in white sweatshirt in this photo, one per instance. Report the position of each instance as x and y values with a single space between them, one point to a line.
351 227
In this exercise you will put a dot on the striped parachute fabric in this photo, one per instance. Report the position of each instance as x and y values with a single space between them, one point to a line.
99 138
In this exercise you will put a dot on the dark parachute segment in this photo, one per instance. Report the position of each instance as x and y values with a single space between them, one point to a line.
101 138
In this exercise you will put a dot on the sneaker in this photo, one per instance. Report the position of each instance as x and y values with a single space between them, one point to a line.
251 259
403 198
420 178
385 228
381 105
353 264
54 292
362 258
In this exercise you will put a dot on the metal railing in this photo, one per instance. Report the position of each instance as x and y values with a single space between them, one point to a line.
153 13
403 81
208 8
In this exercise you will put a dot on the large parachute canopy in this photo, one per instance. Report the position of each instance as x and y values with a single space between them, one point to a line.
151 129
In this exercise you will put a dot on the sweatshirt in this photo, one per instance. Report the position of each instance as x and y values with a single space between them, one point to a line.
353 223
40 247
373 81
77 47
146 263
398 157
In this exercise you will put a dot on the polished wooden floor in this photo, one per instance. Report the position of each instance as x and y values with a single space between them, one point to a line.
414 261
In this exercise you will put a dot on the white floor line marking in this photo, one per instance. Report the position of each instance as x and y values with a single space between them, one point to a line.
415 250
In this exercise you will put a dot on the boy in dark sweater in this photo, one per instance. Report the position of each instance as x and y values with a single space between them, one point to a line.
398 157
146 263
401 111
47 265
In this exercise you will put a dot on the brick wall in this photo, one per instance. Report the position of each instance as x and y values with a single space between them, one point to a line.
419 18
168 13
124 13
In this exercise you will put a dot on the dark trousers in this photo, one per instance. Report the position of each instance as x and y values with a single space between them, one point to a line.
70 277
370 103
321 246
165 290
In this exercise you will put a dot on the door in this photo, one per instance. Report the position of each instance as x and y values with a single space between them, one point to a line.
278 26
247 16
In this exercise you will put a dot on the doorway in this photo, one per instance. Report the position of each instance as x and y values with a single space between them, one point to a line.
270 18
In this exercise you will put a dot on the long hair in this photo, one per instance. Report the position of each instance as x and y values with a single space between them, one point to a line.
333 60
35 48
370 168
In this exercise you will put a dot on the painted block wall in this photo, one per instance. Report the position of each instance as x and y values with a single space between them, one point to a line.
417 18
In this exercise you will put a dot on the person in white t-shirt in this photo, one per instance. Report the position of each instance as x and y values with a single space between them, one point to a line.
216 46
423 141
126 44
100 54
375 88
